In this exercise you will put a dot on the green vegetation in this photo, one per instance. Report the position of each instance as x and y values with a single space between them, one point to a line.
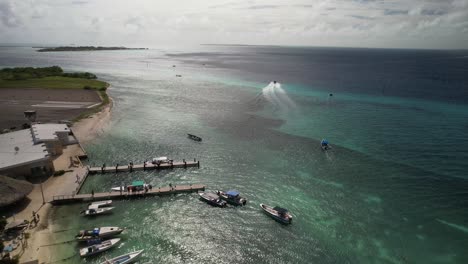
25 73
86 48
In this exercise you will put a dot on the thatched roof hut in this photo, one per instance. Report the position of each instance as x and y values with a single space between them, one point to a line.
13 190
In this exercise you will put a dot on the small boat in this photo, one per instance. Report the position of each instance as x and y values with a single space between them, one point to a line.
97 211
193 137
100 204
134 187
161 160
98 248
212 199
124 259
98 232
18 224
279 214
324 144
233 197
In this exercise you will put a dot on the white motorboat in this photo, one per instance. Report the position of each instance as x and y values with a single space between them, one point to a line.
124 259
97 211
161 160
98 232
279 214
100 204
98 248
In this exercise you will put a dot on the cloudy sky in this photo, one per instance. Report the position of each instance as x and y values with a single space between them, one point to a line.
155 23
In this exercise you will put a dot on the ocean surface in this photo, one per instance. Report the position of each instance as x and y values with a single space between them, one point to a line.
392 189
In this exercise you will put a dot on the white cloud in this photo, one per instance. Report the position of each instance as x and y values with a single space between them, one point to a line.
365 23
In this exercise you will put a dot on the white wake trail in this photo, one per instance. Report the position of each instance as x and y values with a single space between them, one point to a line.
277 96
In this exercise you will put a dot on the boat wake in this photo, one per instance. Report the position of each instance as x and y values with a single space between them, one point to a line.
277 97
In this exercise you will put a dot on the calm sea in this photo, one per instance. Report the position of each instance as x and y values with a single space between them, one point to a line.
393 188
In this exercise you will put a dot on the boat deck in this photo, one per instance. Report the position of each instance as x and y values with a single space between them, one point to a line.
78 198
144 166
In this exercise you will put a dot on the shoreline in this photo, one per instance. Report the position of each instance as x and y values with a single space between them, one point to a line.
85 130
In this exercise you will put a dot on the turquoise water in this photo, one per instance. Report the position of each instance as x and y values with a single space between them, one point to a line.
391 190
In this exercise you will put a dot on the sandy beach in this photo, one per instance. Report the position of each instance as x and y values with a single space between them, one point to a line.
85 131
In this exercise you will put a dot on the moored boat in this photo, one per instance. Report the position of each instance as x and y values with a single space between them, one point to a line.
134 187
233 197
279 214
100 204
98 248
161 160
124 259
212 199
98 232
97 211
193 137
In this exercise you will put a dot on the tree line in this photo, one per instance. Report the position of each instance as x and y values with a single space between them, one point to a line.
24 73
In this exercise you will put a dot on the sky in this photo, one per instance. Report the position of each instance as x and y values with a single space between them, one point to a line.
427 24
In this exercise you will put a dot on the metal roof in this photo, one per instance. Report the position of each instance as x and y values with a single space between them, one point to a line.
47 132
17 148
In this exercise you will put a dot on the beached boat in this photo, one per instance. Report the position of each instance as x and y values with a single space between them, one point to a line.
97 211
124 259
98 232
233 197
279 214
98 248
100 204
212 199
134 187
193 137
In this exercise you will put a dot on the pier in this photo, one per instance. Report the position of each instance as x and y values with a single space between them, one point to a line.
145 166
79 198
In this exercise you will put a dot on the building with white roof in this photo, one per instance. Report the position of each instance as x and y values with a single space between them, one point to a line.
29 152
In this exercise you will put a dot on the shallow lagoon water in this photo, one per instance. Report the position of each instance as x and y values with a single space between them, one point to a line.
391 190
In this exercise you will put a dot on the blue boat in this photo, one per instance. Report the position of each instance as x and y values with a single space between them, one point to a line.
232 197
279 214
324 144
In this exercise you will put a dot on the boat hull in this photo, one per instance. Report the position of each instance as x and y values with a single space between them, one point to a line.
237 202
214 202
284 220
125 259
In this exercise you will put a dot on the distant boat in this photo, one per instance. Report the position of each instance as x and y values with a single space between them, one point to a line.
124 259
98 232
233 197
98 248
97 211
279 214
212 199
324 144
193 137
100 204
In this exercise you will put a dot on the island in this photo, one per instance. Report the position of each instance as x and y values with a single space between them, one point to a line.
85 48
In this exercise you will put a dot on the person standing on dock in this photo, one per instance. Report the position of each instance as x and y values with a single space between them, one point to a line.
92 193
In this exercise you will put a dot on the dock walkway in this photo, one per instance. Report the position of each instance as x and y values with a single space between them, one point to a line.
67 199
144 166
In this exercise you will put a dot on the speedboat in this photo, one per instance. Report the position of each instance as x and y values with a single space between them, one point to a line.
98 232
98 248
232 197
100 204
279 214
212 199
193 137
124 259
97 211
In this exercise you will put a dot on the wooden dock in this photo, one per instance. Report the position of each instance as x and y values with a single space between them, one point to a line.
79 198
144 166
